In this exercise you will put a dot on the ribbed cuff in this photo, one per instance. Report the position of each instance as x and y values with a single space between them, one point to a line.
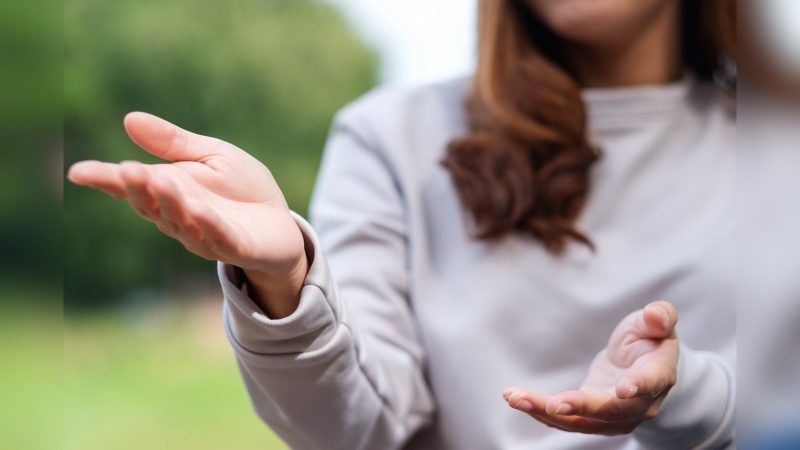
698 413
309 327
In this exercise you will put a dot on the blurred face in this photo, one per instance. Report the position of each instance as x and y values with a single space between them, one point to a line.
599 23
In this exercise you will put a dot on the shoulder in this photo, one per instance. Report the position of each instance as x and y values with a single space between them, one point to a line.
390 110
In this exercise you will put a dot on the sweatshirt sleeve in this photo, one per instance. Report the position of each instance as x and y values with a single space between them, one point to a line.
345 369
699 411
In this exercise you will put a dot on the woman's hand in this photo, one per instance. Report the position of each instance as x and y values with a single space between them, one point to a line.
218 201
626 384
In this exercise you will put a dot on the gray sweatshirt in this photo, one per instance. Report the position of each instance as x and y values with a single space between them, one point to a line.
768 284
408 330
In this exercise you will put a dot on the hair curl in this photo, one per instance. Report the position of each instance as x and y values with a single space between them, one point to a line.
525 163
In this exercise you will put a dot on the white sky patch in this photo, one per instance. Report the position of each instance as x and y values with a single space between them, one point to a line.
779 22
418 40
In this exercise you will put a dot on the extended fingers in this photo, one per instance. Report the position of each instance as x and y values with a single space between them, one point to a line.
537 405
156 194
136 177
99 175
172 211
216 231
526 401
199 228
600 406
574 424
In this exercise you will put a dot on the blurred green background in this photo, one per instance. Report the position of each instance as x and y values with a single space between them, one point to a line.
30 225
146 362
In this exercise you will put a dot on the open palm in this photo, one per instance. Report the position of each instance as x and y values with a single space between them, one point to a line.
217 200
626 382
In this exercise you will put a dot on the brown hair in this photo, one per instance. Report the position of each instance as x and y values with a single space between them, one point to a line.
525 163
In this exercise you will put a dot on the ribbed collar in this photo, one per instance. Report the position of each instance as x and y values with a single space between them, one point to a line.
636 105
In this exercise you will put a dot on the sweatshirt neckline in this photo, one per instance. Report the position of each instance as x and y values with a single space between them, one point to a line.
635 105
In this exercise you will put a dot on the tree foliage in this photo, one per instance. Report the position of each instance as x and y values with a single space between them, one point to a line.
266 75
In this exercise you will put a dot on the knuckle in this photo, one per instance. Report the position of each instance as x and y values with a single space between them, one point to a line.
144 212
203 239
517 402
164 229
193 212
177 141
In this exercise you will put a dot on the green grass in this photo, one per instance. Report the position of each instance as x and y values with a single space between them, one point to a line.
157 378
30 351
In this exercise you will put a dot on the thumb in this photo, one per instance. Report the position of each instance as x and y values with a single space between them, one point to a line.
640 332
656 321
167 141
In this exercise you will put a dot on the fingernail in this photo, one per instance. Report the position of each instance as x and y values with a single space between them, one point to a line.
524 404
632 390
507 393
76 169
664 316
564 409
516 401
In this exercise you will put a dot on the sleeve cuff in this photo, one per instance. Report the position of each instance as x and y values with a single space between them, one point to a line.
698 413
308 328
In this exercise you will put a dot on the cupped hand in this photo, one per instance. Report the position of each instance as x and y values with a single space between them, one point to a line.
626 384
217 200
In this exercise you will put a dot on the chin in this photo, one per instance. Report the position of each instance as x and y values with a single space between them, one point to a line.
595 22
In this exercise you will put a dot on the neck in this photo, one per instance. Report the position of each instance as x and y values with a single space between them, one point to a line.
653 56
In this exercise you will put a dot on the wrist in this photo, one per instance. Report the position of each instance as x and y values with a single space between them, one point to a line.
273 277
276 289
277 294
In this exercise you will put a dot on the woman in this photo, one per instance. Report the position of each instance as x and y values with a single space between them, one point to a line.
484 244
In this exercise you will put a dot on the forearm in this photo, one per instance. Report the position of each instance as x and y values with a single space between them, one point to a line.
344 368
323 399
308 375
